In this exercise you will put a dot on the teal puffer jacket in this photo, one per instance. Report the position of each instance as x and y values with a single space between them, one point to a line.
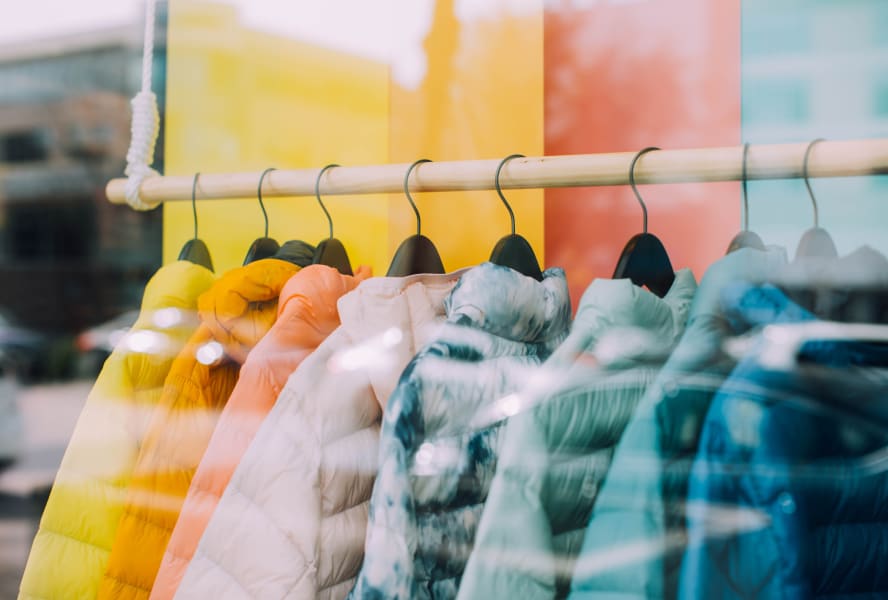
636 535
555 456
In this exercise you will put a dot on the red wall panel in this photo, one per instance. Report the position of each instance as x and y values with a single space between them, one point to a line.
620 76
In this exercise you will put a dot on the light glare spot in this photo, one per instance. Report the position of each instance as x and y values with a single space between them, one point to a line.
167 317
209 353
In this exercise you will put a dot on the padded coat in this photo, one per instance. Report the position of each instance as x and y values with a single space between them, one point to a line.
556 455
291 523
787 498
71 548
235 313
636 535
435 465
307 314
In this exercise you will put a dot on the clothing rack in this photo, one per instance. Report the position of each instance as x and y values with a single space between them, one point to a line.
845 158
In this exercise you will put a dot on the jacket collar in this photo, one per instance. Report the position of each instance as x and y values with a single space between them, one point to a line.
386 320
621 320
503 302
241 306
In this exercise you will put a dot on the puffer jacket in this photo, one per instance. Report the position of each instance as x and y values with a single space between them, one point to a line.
786 496
235 313
307 314
636 535
292 521
555 456
71 548
435 467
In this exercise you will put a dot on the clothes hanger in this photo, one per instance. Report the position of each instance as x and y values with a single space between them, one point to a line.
263 247
644 259
416 254
816 242
746 238
195 250
330 251
514 251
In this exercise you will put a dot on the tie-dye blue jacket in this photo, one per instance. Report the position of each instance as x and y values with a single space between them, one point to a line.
435 467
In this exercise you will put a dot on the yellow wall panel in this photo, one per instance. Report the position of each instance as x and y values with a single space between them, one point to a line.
242 100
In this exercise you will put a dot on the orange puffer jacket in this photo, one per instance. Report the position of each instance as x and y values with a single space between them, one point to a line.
235 313
307 314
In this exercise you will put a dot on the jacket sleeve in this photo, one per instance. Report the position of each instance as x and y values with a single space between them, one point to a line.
636 534
70 550
174 444
253 395
291 521
509 560
77 530
388 569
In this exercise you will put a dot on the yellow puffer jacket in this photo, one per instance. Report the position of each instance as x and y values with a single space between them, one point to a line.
235 313
70 551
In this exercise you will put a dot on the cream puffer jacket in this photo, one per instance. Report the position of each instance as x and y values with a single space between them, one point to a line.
292 521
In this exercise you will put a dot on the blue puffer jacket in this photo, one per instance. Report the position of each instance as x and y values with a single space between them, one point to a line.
787 499
636 535
435 468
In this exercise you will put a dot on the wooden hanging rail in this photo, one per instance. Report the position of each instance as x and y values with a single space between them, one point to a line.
772 161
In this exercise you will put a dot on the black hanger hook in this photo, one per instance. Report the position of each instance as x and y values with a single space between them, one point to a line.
259 195
745 181
808 182
409 197
194 202
644 210
499 189
318 195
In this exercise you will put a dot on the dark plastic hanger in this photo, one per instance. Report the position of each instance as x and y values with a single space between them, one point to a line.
263 247
330 251
816 242
195 250
746 238
514 251
416 254
644 259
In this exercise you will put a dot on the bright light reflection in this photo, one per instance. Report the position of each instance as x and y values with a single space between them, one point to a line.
510 405
146 342
167 317
375 353
209 353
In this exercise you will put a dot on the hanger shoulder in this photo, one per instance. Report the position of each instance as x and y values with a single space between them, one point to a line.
262 248
816 243
196 251
417 254
332 253
645 261
746 239
515 252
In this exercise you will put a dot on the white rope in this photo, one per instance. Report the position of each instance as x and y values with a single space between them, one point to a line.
146 122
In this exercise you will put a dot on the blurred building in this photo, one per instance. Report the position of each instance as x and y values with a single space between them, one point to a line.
68 258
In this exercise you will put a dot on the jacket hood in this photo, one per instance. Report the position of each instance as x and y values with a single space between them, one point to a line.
311 295
174 286
620 320
242 305
390 318
505 303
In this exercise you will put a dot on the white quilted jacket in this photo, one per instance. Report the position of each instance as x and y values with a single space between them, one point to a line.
292 521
